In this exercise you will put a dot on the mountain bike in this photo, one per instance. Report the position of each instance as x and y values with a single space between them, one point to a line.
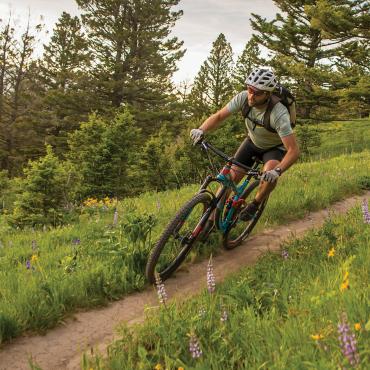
188 226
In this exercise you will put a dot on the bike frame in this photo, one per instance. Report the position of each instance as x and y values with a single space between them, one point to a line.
218 201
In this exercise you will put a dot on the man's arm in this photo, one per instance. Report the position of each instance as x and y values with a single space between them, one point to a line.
292 154
214 120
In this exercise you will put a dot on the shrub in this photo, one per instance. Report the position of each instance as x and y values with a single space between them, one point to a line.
44 195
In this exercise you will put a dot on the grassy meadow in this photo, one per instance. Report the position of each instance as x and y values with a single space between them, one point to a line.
293 310
341 137
49 273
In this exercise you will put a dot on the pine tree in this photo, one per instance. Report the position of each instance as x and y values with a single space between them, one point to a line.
66 56
101 152
63 74
299 51
346 24
213 84
43 195
20 96
249 59
135 55
7 50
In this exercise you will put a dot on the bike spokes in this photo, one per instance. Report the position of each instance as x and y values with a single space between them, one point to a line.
181 239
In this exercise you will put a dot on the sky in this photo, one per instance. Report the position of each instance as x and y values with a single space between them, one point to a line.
202 22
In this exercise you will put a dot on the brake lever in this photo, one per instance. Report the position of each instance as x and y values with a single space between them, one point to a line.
203 146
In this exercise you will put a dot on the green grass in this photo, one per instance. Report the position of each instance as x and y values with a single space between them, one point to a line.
109 261
341 137
282 313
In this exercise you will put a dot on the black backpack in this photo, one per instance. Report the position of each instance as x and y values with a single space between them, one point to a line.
281 94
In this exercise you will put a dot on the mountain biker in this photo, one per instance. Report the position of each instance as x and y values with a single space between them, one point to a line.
278 150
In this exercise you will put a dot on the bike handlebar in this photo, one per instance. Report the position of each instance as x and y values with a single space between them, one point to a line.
206 145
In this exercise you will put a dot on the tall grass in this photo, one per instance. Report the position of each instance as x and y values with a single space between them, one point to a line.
282 313
341 137
46 274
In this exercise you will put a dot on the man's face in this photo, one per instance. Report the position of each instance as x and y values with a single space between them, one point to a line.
256 97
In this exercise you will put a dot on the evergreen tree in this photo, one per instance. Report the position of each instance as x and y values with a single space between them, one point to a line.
66 56
43 195
346 24
19 97
249 59
135 55
299 51
213 84
7 50
101 152
64 77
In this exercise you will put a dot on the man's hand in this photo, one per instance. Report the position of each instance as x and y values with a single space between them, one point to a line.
196 135
270 176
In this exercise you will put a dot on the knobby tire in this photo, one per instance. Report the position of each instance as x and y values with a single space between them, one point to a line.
173 227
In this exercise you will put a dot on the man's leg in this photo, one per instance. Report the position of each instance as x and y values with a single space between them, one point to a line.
244 155
272 159
265 188
236 174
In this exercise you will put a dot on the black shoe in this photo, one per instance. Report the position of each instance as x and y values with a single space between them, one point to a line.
249 212
208 228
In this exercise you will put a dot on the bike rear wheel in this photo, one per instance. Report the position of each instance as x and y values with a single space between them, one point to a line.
240 230
177 239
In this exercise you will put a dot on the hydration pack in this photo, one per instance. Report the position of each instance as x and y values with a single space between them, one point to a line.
280 94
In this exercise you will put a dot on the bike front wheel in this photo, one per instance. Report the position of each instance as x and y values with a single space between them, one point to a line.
178 238
240 230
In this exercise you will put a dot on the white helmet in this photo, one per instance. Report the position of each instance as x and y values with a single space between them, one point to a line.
262 79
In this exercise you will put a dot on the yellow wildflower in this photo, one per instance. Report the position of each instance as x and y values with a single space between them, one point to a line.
34 258
346 276
331 252
344 285
180 368
357 326
158 367
317 336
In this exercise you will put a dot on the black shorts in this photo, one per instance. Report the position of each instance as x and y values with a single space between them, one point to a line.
248 150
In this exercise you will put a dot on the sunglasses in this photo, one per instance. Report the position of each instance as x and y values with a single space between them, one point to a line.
255 92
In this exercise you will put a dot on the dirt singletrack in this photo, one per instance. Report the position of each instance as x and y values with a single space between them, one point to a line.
62 347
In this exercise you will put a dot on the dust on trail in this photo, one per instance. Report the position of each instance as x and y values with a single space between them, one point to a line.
62 347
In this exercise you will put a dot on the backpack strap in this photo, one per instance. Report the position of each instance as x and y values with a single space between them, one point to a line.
245 108
266 117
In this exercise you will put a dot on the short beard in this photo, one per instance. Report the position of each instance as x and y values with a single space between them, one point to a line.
260 104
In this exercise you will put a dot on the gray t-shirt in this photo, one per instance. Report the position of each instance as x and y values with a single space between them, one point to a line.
279 120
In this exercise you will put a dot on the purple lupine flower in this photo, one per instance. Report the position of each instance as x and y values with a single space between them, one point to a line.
211 281
28 264
162 294
224 316
365 211
285 254
34 245
115 217
194 346
76 241
348 341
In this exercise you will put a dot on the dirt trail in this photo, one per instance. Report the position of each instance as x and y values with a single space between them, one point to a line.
62 347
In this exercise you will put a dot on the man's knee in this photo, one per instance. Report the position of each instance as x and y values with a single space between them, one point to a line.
270 165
